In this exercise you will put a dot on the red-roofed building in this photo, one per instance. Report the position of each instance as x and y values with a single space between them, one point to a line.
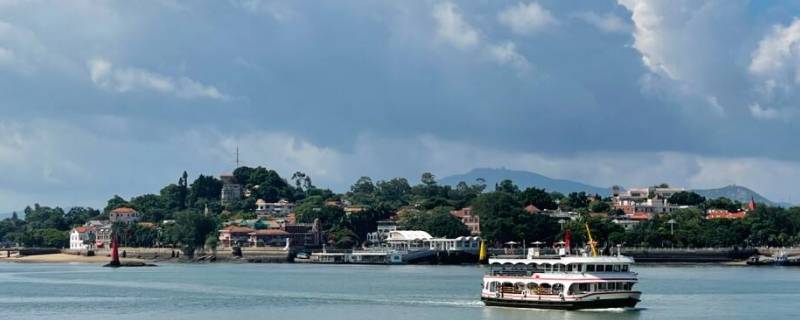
639 216
532 209
299 235
234 235
123 214
472 221
725 214
81 238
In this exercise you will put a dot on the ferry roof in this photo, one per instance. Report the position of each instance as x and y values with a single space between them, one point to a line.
568 260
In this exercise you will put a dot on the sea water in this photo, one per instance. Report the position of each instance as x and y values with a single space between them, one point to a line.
302 291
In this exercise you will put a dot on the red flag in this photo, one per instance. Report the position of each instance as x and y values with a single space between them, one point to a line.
567 239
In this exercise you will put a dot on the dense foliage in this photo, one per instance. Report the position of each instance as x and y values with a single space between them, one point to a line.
177 214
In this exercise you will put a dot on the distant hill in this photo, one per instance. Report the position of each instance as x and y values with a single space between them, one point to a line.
523 179
738 193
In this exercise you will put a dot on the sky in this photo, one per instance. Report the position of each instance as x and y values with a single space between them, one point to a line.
99 98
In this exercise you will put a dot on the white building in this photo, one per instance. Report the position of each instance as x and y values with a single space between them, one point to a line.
81 238
641 194
645 201
281 208
414 240
124 214
382 232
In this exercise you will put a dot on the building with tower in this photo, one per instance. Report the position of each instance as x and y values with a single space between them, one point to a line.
231 189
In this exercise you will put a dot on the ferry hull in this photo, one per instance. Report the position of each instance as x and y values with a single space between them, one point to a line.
562 305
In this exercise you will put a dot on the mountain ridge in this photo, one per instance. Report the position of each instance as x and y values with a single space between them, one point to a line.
525 179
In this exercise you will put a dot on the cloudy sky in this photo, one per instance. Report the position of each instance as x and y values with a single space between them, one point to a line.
118 97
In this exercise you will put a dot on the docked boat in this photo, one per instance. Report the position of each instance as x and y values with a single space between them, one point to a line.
561 281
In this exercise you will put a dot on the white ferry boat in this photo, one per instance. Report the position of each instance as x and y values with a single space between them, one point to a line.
561 281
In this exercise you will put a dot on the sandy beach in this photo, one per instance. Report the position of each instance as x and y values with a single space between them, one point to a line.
62 258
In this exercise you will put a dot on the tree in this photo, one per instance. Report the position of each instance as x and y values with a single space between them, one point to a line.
428 179
507 186
79 215
115 202
363 185
503 219
576 200
183 191
438 222
539 198
150 206
314 208
40 217
393 193
135 235
599 206
204 188
192 229
722 203
265 184
773 226
686 198
342 237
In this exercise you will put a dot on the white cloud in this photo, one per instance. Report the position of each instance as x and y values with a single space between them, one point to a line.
105 75
762 113
779 52
655 25
285 153
6 56
526 18
452 28
713 102
20 49
506 53
277 9
775 68
609 22
69 164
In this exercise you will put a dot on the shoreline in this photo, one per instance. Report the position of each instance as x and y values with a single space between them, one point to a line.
62 258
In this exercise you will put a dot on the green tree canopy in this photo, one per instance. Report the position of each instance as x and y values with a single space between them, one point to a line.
686 198
438 222
539 198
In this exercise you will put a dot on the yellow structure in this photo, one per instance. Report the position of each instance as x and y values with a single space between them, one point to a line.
591 241
482 254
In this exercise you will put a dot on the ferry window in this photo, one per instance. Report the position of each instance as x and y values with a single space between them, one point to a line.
625 268
608 268
616 268
589 267
569 268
